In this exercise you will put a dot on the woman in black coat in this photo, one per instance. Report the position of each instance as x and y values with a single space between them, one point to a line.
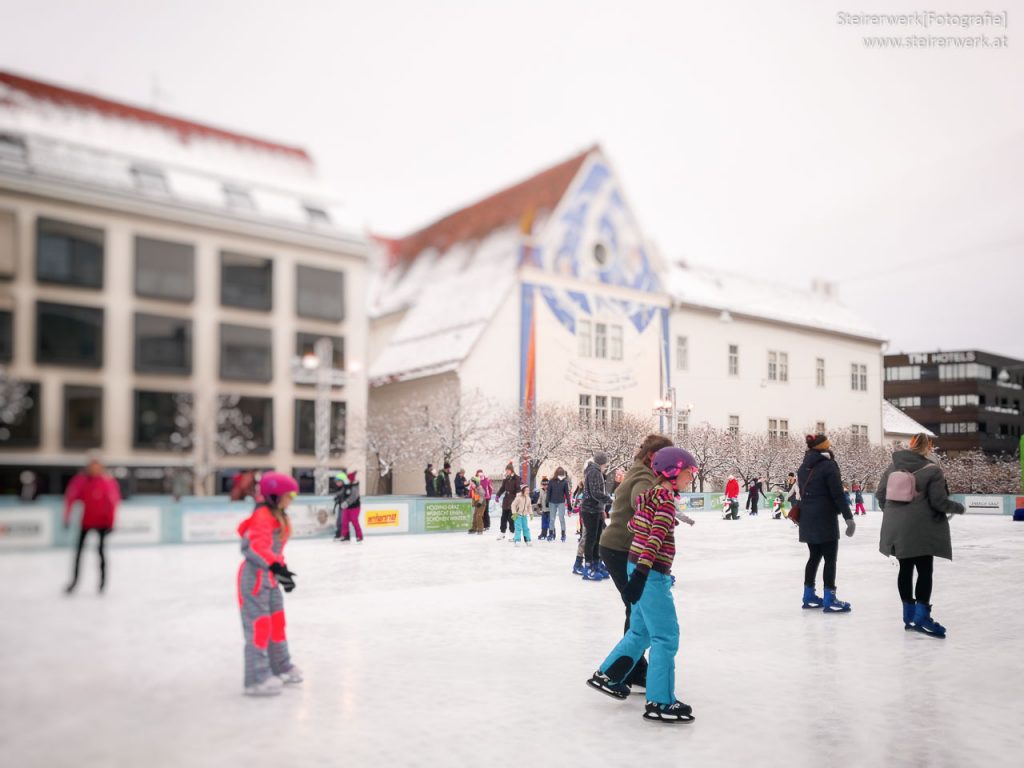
821 502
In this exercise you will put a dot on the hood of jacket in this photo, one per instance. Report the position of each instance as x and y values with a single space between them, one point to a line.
909 461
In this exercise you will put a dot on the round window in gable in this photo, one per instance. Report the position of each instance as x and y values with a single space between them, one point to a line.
600 254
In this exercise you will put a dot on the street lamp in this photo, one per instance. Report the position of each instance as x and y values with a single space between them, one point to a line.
317 367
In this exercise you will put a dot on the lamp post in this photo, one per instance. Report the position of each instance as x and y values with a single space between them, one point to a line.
321 362
666 407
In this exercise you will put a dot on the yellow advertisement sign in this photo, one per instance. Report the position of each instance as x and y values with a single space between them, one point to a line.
382 518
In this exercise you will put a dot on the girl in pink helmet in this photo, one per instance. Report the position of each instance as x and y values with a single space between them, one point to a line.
261 575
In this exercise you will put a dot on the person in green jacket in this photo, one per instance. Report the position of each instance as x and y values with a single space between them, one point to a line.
616 539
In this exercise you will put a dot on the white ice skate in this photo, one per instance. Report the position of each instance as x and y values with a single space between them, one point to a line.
291 677
269 687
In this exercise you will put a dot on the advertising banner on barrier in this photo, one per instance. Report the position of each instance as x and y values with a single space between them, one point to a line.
205 525
452 515
136 525
25 527
983 505
384 517
310 519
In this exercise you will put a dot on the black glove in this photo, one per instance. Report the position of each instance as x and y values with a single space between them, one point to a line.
635 586
284 576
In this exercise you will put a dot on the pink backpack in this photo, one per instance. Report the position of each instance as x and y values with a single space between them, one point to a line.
902 486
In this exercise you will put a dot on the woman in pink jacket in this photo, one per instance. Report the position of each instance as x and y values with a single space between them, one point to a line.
100 495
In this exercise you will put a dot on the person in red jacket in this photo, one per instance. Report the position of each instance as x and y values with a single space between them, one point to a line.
732 498
264 534
100 495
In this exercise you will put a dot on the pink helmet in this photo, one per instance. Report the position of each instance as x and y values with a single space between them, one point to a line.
671 462
274 485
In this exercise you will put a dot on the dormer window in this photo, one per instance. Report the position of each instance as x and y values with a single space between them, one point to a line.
238 199
12 148
316 215
150 180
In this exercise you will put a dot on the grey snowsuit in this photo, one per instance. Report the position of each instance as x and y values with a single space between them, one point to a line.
260 599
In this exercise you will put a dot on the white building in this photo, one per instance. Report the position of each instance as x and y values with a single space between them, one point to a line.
898 427
756 356
547 291
143 256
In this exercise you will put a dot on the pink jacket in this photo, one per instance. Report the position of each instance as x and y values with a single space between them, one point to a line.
99 496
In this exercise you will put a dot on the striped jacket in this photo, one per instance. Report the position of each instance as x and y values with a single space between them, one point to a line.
653 526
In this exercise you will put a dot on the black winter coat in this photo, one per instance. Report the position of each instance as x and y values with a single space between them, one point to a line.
507 490
428 481
821 499
461 486
558 491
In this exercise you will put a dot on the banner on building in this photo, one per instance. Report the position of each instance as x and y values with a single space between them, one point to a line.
136 525
385 517
983 505
454 515
25 527
199 525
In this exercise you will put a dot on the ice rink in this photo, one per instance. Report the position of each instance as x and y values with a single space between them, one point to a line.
456 650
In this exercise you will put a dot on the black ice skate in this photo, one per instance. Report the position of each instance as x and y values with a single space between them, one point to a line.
669 713
605 684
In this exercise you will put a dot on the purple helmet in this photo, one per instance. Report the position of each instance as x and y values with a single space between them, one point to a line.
274 485
670 462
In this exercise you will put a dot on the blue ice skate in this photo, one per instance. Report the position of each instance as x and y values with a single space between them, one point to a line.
811 600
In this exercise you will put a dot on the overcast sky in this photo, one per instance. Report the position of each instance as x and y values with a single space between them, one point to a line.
757 137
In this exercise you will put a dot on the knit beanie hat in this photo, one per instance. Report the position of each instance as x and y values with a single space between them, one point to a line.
600 459
509 467
817 442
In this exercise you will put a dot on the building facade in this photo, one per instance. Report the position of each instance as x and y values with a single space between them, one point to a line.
548 292
970 399
159 282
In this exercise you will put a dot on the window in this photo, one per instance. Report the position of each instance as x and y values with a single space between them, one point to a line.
69 335
583 337
6 336
83 417
8 239
783 428
962 427
305 343
819 372
954 401
150 180
955 371
600 340
859 432
12 149
600 254
778 366
246 281
320 293
783 366
616 342
819 428
773 428
163 344
734 360
858 377
21 430
245 353
906 402
616 410
155 414
238 199
69 254
734 425
316 215
682 422
585 409
682 353
600 410
305 427
903 373
257 413
164 270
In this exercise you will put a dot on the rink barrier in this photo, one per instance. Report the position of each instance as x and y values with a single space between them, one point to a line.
148 520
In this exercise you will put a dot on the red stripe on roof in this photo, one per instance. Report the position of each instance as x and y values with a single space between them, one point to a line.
517 204
185 129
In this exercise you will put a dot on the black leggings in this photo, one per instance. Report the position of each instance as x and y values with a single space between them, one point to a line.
594 523
102 532
905 581
828 550
616 564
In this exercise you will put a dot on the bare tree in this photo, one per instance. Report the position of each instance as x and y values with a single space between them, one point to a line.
229 433
393 435
710 447
978 472
15 402
545 432
617 438
457 425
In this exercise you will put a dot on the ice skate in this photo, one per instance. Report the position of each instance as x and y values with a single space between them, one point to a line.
592 574
563 537
669 713
925 624
604 684
291 677
811 600
501 536
832 604
269 687
577 567
908 616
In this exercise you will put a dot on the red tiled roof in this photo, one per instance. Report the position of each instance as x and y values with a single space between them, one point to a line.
518 204
185 129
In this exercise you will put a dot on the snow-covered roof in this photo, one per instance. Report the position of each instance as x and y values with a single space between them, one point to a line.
56 133
896 422
779 302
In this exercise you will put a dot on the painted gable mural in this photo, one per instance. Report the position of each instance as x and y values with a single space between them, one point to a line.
593 237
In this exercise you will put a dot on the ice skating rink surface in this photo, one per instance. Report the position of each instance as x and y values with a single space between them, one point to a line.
457 650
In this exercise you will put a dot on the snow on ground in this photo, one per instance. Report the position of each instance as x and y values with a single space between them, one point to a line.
456 650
